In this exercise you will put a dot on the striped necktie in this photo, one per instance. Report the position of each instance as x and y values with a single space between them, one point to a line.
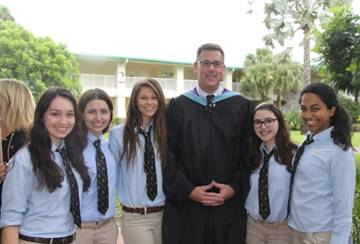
209 103
74 190
295 163
102 179
149 165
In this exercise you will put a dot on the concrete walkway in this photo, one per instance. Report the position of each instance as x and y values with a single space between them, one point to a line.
120 239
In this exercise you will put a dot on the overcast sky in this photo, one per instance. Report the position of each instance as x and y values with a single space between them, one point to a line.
154 29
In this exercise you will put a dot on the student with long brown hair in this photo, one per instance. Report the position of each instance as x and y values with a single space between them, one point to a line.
41 191
270 156
98 204
139 147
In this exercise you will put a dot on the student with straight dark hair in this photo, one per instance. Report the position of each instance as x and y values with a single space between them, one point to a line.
41 191
323 171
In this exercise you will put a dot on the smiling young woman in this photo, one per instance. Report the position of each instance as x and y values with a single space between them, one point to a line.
325 172
270 156
139 148
98 203
41 190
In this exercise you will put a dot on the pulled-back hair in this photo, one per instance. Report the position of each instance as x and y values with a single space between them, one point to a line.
48 173
134 120
285 149
341 134
17 105
93 94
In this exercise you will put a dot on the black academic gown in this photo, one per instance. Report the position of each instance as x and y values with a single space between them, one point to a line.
205 145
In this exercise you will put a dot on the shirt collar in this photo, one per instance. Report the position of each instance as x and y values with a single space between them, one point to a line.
202 93
323 135
263 147
91 137
54 146
146 129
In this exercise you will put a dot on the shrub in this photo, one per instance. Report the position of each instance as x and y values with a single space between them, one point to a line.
351 107
292 119
117 121
355 127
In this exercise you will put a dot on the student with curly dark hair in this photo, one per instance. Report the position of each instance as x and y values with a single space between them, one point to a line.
324 175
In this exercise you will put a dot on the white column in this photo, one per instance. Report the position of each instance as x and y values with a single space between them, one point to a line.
179 77
228 79
121 91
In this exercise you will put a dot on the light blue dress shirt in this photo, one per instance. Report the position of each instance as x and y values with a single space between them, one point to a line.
37 212
89 208
278 185
323 189
132 177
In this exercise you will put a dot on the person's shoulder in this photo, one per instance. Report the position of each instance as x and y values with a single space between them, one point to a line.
117 129
22 157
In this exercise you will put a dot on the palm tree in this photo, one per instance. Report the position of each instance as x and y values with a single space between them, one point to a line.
286 17
266 75
287 77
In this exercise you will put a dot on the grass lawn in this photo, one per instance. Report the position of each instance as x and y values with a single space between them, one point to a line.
297 137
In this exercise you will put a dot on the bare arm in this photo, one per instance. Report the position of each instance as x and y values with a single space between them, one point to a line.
10 234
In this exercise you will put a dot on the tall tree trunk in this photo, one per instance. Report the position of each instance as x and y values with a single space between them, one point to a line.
307 68
278 102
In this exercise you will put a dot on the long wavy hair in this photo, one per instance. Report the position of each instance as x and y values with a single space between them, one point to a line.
341 134
48 173
134 121
285 149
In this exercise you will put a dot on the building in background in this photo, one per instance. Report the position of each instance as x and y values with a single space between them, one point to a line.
117 76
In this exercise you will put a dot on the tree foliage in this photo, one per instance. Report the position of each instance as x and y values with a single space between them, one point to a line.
285 17
40 62
266 75
5 13
339 47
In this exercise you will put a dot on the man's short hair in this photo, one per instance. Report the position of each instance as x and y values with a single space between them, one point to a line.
211 47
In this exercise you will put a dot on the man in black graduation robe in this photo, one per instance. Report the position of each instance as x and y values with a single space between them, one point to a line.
205 180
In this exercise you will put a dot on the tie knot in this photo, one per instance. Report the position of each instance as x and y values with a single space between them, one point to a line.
97 143
267 155
61 151
210 98
146 134
308 140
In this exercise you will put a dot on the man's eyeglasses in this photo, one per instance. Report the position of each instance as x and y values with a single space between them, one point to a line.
268 122
208 63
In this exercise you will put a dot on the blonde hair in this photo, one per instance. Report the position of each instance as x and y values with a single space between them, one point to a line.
17 105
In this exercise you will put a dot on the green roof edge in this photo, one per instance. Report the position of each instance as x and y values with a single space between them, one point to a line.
118 58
